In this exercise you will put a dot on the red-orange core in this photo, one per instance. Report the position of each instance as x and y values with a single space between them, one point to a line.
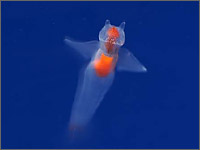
113 32
103 65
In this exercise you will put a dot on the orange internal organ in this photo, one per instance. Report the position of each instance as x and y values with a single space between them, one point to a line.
103 66
109 45
113 32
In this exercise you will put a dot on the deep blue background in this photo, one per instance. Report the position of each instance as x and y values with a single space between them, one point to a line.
158 109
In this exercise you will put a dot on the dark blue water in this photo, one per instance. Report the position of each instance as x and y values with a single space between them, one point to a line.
157 109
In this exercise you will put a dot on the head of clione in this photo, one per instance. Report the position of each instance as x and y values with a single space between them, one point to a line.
111 36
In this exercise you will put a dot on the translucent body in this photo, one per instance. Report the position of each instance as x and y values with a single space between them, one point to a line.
105 55
90 93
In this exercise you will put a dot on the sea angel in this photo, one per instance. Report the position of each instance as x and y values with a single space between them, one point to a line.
105 55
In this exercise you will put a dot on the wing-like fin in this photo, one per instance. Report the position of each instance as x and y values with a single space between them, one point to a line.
86 49
128 62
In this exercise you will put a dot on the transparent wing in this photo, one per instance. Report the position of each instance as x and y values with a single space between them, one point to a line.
86 49
128 62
